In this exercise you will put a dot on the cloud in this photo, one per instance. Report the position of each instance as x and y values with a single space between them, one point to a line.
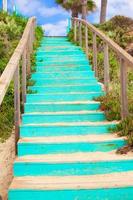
115 7
37 7
56 29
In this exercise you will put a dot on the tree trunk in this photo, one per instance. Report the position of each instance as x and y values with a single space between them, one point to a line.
4 5
84 9
103 11
74 13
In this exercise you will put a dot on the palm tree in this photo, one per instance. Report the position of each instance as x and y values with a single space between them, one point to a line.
103 11
78 6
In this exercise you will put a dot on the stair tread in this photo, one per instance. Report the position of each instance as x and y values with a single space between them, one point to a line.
113 180
75 157
65 113
69 139
65 103
75 123
65 86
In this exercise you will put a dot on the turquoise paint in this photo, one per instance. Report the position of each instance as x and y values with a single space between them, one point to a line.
56 56
40 131
71 169
77 194
60 107
64 68
62 82
40 148
41 52
66 89
32 98
47 118
63 73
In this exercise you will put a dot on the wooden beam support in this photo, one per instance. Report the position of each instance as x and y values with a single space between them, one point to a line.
80 33
16 105
123 80
86 40
75 31
24 63
95 53
106 67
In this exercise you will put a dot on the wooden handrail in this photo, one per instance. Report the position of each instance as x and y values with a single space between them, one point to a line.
11 72
122 53
125 59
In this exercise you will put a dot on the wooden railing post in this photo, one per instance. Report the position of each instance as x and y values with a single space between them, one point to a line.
106 67
123 79
16 105
86 40
28 58
95 53
80 33
75 31
24 76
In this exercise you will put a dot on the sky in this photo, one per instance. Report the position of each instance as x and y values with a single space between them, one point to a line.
54 19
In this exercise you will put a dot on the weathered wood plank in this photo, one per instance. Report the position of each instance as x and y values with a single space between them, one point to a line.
16 104
95 53
24 63
11 67
86 40
123 80
106 67
80 33
75 30
121 52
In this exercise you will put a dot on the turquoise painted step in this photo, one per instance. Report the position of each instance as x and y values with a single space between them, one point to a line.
80 96
64 45
56 55
58 45
64 75
124 193
61 59
79 106
55 82
65 48
70 169
68 129
61 69
66 88
30 148
43 52
40 118
46 58
49 53
60 63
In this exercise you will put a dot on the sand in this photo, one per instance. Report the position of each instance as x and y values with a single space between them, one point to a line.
7 156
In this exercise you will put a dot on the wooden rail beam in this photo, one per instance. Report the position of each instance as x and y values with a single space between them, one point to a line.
24 77
12 69
17 104
123 80
95 54
80 34
86 40
126 60
75 31
106 67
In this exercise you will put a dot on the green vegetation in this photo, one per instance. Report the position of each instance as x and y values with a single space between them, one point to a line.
119 28
76 6
11 30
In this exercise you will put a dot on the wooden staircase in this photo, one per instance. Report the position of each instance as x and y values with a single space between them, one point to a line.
66 150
